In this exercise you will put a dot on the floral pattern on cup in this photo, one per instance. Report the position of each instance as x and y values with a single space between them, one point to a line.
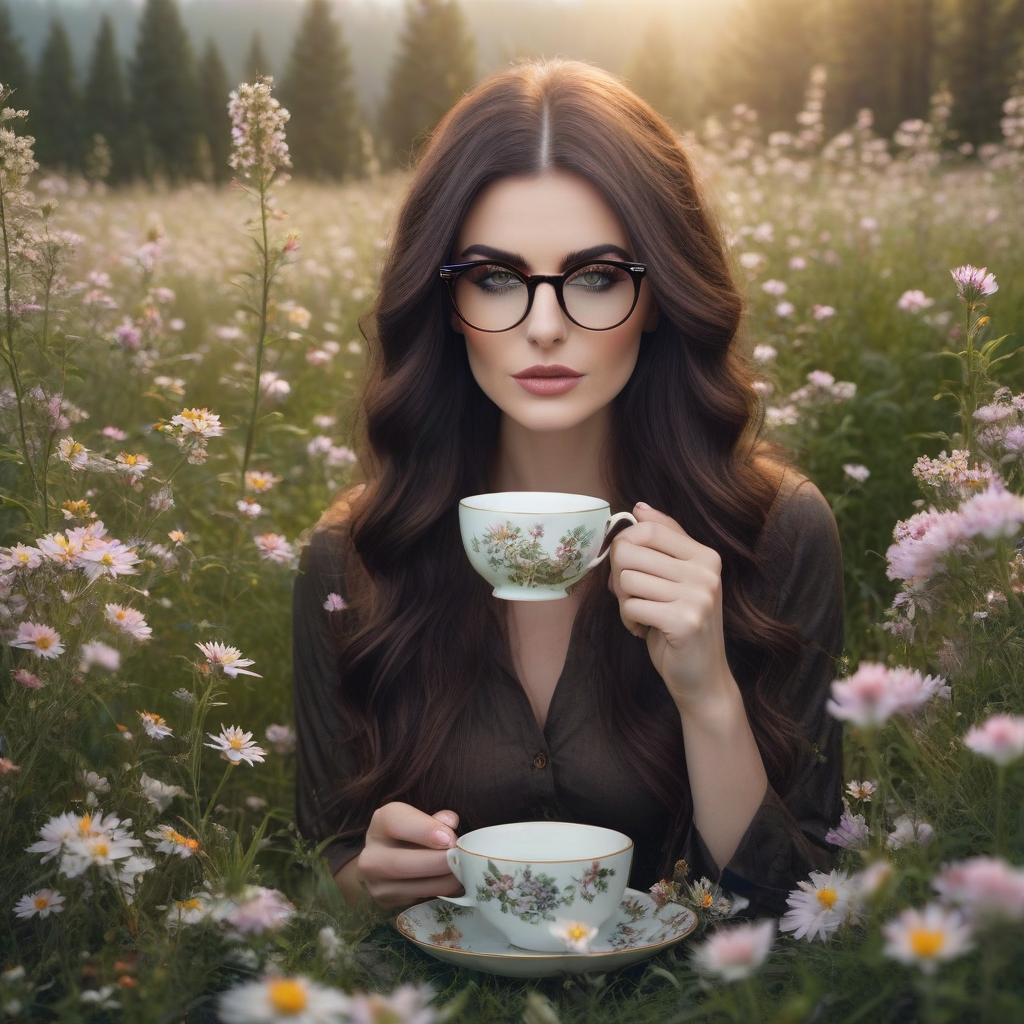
531 898
524 559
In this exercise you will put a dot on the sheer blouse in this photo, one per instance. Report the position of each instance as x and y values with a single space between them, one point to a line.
566 771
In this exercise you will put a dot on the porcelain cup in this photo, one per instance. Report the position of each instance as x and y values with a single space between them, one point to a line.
542 883
534 545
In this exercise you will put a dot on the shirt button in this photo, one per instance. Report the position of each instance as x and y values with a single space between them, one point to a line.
540 760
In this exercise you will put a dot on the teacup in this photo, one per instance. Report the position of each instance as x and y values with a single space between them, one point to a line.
535 879
533 545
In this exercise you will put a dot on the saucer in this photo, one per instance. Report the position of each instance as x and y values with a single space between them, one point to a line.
460 935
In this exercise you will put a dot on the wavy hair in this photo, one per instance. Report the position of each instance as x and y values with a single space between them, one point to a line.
421 626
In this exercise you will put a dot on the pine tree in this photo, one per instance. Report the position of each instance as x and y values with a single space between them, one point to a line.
256 62
14 69
57 122
323 132
105 109
165 93
435 64
214 89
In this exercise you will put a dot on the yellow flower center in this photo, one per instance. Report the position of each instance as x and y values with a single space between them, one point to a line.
287 996
706 900
926 942
107 558
41 902
85 824
101 849
44 642
827 897
190 904
576 931
235 742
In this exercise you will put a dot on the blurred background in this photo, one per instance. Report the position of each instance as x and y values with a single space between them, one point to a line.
366 80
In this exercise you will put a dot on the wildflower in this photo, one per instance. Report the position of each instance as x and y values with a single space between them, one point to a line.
986 888
408 1003
973 282
735 952
8 767
1000 738
41 640
861 790
41 903
851 832
283 998
128 620
257 130
192 910
75 454
819 906
329 943
873 878
909 830
924 937
158 793
254 911
281 737
96 849
335 602
108 558
96 652
17 162
235 745
273 547
875 692
856 471
29 680
260 480
576 935
172 841
19 556
155 725
228 659
914 300
133 464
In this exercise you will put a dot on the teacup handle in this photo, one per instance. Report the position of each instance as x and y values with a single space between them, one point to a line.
454 860
607 527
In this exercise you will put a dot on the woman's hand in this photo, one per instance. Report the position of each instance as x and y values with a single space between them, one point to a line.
403 861
671 584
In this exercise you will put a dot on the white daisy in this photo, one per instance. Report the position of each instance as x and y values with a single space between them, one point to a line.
42 902
128 620
235 745
909 830
294 999
84 852
96 652
819 906
108 558
172 841
42 640
19 556
735 951
155 725
63 827
192 910
408 1004
924 937
228 659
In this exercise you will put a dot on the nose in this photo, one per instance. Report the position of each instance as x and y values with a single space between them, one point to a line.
546 320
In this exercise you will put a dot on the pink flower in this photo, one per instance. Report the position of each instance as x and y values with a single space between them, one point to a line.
875 692
973 282
1000 738
736 951
986 887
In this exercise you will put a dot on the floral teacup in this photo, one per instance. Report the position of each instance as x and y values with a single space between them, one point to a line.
533 545
546 885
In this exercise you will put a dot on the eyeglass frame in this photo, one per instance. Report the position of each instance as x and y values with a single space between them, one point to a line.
449 272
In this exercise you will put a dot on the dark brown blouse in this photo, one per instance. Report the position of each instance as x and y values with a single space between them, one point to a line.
566 771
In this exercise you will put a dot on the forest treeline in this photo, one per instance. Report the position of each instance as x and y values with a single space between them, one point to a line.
155 106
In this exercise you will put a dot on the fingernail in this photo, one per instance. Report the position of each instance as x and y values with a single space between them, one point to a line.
443 838
640 504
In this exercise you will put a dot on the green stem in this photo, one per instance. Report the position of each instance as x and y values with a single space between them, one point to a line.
1000 839
213 799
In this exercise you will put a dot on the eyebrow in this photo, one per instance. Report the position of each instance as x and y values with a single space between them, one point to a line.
518 261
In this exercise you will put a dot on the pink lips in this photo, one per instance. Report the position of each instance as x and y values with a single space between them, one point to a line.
548 385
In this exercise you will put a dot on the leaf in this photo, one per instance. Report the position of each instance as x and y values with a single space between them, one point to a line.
662 973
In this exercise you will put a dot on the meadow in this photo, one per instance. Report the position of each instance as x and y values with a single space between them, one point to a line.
181 368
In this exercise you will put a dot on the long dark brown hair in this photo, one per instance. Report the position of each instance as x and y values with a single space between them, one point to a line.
420 631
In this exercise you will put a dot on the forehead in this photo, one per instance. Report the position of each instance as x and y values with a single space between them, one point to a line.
542 216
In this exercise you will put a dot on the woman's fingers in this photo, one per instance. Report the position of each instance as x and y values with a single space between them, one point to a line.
397 861
401 895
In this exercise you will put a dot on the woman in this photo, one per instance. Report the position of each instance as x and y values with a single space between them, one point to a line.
424 704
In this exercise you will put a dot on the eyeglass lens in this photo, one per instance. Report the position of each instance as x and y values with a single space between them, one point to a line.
492 298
